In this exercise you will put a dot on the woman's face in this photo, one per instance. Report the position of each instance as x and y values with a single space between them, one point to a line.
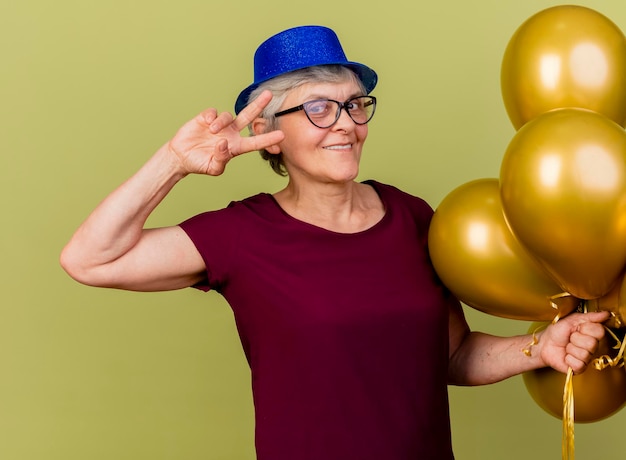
328 155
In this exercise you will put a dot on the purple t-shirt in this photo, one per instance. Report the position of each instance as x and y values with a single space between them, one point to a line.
346 334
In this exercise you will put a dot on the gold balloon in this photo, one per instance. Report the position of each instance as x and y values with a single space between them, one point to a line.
480 261
563 187
598 394
614 302
565 56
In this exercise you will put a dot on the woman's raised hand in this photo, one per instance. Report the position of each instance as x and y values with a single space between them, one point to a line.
205 144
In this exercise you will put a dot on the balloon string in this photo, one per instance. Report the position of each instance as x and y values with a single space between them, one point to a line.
567 447
555 305
567 443
528 349
600 363
605 361
618 320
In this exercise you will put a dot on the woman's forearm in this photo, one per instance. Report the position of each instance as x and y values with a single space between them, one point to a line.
116 224
479 359
484 359
112 248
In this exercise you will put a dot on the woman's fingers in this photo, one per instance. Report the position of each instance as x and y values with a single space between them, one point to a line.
211 139
252 110
208 116
247 116
258 142
220 122
584 341
594 329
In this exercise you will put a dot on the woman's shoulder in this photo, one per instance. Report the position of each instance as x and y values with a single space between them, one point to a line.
235 211
391 194
260 200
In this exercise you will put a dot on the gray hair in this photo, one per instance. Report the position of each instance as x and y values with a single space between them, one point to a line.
281 86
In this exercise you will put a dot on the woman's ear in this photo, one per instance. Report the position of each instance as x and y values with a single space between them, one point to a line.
259 126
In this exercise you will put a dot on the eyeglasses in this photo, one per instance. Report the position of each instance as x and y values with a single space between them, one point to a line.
324 113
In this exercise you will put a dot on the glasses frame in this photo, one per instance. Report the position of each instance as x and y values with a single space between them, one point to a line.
341 105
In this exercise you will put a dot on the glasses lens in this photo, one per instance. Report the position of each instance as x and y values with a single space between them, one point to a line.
322 112
361 109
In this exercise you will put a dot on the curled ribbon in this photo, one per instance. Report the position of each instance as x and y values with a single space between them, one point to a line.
552 300
605 361
599 363
567 446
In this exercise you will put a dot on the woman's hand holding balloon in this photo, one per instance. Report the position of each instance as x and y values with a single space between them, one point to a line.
572 341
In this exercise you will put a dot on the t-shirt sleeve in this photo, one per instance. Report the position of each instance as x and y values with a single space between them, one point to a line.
214 234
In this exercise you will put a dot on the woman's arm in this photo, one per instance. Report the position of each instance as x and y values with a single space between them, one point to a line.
112 248
478 359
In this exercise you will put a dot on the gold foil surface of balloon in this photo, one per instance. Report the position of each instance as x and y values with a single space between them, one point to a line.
565 56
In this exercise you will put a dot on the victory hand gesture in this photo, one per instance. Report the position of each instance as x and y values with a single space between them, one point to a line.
205 144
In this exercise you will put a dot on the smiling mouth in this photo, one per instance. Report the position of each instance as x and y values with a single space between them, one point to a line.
339 147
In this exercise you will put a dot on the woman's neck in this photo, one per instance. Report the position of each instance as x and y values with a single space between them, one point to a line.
344 208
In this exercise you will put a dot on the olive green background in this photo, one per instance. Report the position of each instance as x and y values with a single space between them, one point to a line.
88 90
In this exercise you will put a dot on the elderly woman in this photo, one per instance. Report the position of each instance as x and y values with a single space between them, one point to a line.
350 337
